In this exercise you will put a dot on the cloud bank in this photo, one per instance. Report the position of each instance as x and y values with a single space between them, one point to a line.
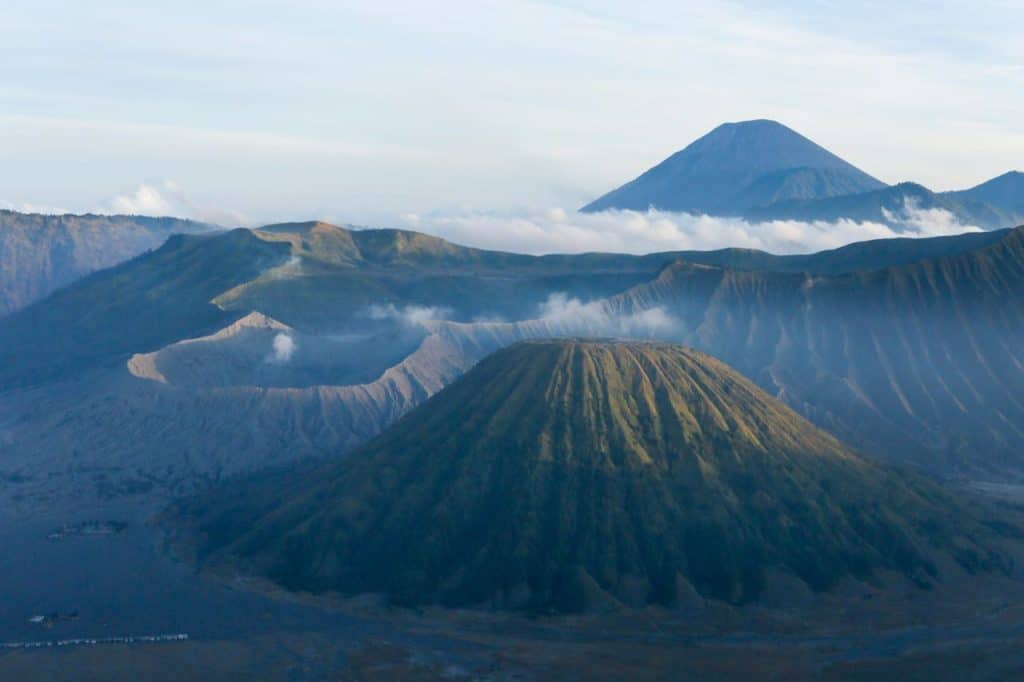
559 231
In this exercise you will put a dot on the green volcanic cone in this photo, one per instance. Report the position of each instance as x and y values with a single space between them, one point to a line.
557 473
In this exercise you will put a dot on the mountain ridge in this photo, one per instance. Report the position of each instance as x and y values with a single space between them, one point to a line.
896 206
849 351
909 349
41 253
763 171
1004 192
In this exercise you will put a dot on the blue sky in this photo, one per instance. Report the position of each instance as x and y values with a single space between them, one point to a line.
263 110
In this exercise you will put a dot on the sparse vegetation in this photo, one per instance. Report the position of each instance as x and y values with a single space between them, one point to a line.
558 475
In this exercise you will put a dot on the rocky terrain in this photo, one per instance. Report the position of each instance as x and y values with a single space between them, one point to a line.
42 253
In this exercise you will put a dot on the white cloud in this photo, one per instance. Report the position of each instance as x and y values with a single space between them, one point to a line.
145 200
927 221
169 199
559 231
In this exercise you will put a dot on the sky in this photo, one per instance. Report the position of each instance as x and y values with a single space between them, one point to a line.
408 112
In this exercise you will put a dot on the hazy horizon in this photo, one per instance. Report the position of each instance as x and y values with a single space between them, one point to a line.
274 111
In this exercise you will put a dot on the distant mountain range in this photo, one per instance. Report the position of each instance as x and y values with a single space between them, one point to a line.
906 349
901 206
573 475
758 170
321 277
762 170
41 253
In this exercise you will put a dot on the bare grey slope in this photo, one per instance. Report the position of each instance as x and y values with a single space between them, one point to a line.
41 253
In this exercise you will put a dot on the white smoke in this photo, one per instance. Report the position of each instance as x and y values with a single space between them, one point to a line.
290 268
594 318
411 315
283 348
560 231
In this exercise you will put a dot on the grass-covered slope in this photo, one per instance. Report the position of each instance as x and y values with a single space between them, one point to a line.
338 273
148 302
319 277
559 473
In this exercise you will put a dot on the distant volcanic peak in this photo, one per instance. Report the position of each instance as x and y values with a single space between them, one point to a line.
755 124
761 145
738 166
559 474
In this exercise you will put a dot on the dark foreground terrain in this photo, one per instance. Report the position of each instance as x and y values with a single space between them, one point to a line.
240 631
119 587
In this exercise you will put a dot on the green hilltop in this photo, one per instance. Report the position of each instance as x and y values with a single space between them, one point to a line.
563 474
